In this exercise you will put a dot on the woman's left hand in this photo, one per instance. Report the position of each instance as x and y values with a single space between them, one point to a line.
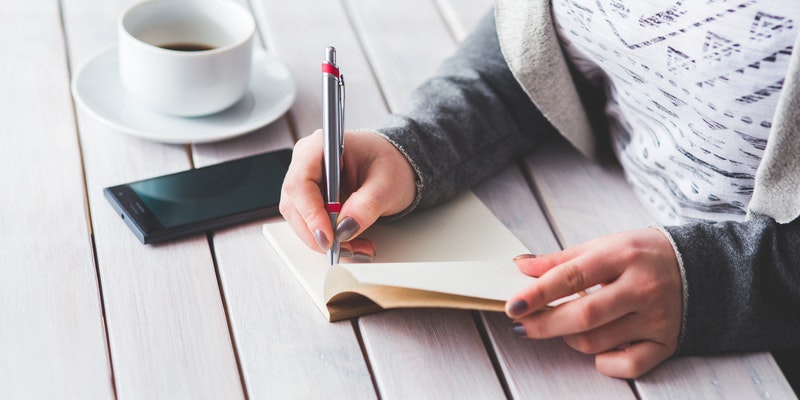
631 324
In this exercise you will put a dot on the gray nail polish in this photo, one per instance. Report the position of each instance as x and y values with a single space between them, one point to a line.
344 253
356 257
518 307
518 330
362 258
322 239
346 229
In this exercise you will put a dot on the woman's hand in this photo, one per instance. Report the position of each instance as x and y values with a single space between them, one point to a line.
377 181
631 324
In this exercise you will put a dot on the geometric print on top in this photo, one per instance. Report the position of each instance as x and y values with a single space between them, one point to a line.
692 87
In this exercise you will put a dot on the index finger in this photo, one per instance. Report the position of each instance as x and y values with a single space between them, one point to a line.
572 276
302 203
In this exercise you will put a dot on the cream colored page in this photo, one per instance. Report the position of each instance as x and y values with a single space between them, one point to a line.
462 229
492 280
308 266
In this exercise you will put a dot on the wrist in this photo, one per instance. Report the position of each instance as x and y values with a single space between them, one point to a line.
412 183
684 284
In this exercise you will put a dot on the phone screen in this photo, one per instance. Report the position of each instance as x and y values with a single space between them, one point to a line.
202 199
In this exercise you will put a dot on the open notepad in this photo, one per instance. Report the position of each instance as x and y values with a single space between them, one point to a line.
456 255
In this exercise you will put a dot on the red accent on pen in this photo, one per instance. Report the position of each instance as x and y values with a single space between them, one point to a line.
330 69
333 207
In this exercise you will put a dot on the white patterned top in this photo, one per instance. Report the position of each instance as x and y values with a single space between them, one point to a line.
692 87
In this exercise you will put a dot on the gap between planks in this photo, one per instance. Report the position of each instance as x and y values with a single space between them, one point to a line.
87 208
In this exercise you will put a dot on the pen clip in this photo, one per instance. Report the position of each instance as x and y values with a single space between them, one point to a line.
341 114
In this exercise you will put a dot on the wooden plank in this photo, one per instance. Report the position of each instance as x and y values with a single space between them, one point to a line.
549 369
52 338
299 31
431 353
509 197
292 357
741 376
405 42
565 180
271 137
463 15
286 348
167 329
281 340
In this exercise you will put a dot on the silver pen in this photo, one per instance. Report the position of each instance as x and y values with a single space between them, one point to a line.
333 129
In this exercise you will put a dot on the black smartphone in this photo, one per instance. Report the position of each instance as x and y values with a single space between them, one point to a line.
204 199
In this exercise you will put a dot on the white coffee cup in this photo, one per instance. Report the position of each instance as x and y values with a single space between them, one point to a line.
182 82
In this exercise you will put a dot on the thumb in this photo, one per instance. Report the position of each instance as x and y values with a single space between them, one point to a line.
359 212
379 195
632 361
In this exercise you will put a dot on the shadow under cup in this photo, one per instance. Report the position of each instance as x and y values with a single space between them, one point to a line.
186 58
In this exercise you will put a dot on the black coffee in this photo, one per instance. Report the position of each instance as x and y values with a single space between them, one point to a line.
186 46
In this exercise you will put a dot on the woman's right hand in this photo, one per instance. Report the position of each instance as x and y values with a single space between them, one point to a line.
377 180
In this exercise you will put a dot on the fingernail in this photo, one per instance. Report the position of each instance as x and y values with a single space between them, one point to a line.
362 258
322 239
346 229
524 257
518 330
357 257
517 308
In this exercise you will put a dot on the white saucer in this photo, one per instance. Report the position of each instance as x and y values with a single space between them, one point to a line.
98 90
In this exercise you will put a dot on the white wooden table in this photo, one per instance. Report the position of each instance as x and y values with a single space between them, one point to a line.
86 311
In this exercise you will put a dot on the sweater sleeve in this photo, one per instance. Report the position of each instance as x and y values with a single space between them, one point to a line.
467 121
743 283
